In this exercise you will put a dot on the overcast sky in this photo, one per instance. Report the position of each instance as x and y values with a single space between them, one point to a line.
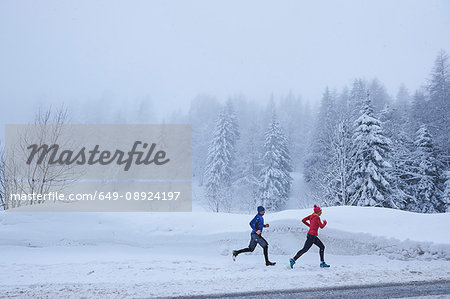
170 51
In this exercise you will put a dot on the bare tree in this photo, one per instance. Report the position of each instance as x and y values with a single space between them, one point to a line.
18 177
3 202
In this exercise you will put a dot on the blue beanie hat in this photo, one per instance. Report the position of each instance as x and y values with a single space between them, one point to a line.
260 209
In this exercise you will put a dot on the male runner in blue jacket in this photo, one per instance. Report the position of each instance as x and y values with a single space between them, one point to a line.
257 225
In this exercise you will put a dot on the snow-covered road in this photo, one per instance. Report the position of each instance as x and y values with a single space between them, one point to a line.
416 290
122 271
117 255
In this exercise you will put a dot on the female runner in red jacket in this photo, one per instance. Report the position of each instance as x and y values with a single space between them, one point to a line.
312 237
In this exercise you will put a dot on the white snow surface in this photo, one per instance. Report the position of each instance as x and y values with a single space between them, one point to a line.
117 255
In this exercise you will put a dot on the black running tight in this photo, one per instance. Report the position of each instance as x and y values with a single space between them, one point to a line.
310 240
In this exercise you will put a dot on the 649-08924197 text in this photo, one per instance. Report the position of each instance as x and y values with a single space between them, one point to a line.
99 195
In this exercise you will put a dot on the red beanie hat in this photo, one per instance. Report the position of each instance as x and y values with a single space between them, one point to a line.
317 209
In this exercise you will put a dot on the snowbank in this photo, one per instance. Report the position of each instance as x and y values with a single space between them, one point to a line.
169 254
350 230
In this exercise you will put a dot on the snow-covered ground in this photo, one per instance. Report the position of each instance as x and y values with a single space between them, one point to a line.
169 254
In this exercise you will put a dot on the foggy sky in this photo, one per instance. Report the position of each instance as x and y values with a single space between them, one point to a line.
170 51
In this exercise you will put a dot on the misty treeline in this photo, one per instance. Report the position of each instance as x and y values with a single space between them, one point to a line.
369 149
244 151
361 147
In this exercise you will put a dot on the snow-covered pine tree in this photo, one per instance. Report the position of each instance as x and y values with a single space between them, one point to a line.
417 113
356 98
379 95
249 167
428 172
220 158
439 92
275 178
245 184
341 144
342 105
342 150
394 126
446 195
320 164
402 102
234 126
294 119
370 183
202 115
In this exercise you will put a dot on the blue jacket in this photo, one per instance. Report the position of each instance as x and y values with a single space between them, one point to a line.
257 223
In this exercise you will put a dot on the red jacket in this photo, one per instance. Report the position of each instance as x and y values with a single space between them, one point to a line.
314 223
